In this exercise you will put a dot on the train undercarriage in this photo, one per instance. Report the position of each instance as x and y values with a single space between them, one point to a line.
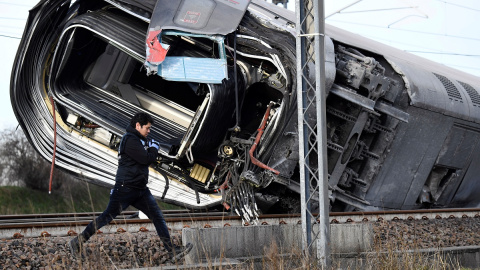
224 102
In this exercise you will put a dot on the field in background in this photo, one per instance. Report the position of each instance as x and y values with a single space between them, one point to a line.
74 197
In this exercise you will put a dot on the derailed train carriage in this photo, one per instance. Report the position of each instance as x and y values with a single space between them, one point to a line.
219 78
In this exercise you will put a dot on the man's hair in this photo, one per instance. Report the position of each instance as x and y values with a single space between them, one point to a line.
142 118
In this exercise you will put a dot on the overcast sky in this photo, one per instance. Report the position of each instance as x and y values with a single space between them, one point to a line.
444 31
13 15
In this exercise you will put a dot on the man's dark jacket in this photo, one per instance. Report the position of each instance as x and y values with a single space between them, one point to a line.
134 158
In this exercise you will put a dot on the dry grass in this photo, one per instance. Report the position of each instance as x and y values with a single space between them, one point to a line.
144 250
392 250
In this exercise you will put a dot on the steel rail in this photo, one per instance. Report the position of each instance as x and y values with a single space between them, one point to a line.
128 217
39 225
82 214
75 219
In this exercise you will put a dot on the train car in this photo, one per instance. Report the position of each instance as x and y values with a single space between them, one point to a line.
219 79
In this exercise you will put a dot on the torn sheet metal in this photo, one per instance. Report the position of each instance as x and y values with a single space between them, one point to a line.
156 51
212 19
187 69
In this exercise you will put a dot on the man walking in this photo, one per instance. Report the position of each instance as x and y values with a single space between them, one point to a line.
135 154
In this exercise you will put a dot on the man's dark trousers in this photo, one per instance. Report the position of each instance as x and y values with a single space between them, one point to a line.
122 197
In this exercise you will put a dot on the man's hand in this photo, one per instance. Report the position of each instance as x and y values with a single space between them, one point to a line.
153 143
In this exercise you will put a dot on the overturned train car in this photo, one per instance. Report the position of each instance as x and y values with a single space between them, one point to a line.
220 81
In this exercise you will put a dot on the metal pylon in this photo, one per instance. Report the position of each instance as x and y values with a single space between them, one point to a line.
311 96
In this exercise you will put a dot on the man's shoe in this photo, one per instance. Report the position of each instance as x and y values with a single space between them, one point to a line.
75 246
178 252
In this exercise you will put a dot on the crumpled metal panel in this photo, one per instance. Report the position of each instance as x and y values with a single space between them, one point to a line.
186 69
208 17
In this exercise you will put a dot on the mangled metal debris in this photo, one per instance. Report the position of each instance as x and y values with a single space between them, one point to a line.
403 132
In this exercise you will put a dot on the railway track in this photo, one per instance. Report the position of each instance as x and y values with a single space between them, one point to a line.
64 224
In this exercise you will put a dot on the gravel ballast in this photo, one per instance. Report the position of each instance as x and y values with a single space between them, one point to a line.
431 233
144 249
102 251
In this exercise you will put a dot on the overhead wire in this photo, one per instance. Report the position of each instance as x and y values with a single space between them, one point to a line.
340 11
417 46
12 18
446 53
472 68
375 10
9 36
449 3
406 30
